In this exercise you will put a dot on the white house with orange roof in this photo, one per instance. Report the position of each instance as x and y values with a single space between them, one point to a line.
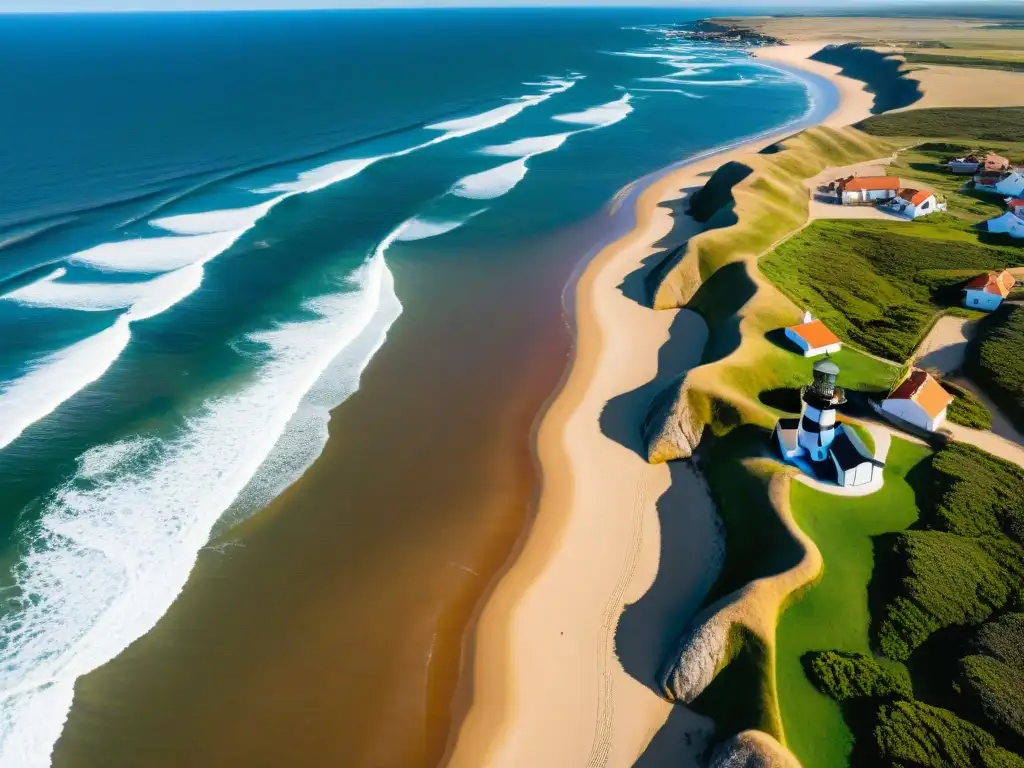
813 337
986 292
919 400
913 203
860 190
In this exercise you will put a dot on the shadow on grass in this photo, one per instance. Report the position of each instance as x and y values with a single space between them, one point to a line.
719 301
757 544
785 399
738 698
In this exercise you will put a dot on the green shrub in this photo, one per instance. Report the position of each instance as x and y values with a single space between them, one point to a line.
967 410
996 691
848 675
1003 639
973 493
994 360
910 733
947 580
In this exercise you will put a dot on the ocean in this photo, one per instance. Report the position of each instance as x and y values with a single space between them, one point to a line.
215 227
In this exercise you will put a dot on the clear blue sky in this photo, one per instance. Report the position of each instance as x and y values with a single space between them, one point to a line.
178 5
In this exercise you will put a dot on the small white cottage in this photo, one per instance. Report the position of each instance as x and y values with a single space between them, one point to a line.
860 190
913 203
919 400
986 292
813 338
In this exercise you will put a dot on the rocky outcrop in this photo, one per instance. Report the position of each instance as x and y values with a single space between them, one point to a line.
672 430
700 654
752 749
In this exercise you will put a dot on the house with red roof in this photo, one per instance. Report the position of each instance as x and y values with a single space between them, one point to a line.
813 337
913 203
986 292
919 400
866 190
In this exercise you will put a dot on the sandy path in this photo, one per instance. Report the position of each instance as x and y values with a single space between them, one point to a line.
567 652
944 347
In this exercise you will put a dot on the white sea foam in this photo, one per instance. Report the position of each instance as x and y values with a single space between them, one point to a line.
144 298
324 176
667 90
420 228
50 380
115 544
209 222
602 115
533 145
491 183
155 254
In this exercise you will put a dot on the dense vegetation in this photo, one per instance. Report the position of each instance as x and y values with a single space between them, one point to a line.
995 360
961 565
882 75
967 410
879 284
980 123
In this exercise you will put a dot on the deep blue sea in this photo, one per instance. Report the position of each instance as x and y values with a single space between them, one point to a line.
197 212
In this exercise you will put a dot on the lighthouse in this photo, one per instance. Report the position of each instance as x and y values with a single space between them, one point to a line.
818 421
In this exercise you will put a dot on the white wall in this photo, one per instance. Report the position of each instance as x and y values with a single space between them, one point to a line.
982 300
910 411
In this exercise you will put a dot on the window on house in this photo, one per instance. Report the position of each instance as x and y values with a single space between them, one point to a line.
927 204
975 301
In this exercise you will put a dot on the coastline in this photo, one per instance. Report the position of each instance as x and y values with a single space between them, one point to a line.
595 589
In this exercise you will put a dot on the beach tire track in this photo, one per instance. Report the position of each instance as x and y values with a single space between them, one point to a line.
601 746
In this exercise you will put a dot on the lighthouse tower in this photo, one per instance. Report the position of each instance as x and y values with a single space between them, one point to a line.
818 422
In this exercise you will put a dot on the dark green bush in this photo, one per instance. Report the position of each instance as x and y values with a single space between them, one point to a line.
994 360
910 733
847 675
967 410
996 691
946 580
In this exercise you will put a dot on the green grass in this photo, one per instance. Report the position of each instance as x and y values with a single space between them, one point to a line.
880 284
913 57
979 123
834 613
995 362
926 163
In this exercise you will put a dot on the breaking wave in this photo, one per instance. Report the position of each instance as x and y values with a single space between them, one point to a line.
600 116
115 543
491 183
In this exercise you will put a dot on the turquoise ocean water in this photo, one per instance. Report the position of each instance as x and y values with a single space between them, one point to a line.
196 218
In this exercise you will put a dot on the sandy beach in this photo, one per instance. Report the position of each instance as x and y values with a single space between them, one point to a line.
568 647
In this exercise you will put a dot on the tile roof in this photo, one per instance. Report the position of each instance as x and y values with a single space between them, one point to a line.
815 334
922 389
913 196
997 283
845 452
870 183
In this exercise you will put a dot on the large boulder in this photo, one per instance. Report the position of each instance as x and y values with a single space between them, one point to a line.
752 749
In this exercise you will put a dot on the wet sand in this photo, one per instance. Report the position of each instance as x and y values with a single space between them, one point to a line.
328 630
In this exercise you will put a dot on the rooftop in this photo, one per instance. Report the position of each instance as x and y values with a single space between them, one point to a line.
914 196
858 183
998 283
815 333
922 389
